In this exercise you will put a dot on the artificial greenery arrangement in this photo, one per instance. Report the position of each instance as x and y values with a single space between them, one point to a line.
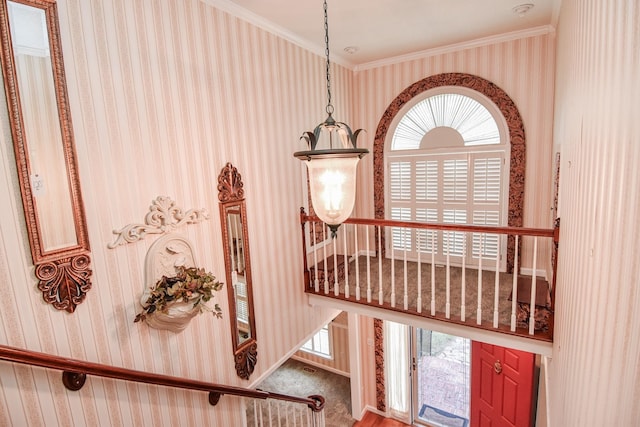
190 285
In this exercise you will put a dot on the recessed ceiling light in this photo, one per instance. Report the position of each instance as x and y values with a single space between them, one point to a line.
522 9
351 50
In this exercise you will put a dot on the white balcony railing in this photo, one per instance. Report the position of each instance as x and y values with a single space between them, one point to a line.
456 273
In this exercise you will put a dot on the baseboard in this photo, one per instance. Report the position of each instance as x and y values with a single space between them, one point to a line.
369 408
529 272
363 253
321 366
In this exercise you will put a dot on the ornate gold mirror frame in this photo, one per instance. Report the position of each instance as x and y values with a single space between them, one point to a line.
237 261
36 93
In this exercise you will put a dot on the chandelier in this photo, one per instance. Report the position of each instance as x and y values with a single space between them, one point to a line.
331 160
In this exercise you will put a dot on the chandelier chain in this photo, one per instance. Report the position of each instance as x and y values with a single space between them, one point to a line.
326 51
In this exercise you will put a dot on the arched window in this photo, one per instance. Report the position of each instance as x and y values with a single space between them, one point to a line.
447 153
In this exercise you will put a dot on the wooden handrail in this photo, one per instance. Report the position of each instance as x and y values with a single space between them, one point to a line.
540 232
75 371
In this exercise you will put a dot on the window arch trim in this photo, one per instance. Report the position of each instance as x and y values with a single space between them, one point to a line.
516 138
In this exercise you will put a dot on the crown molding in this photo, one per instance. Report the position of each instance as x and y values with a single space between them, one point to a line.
246 15
484 41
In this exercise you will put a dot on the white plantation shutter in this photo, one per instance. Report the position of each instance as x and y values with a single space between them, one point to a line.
426 181
402 195
454 201
401 236
424 238
453 241
454 188
242 304
486 201
400 180
489 241
486 179
454 173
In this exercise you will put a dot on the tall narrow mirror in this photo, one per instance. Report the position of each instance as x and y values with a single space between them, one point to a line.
235 241
40 121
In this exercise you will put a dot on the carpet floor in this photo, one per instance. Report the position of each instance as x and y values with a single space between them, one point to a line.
398 272
300 379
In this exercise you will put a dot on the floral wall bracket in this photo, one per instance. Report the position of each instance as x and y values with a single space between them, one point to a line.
164 216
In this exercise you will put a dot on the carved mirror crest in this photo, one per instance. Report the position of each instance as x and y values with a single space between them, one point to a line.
40 120
237 261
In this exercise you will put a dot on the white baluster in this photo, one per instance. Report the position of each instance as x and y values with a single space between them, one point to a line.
368 266
514 292
357 263
419 299
261 417
324 259
315 257
479 313
433 273
380 293
336 287
534 279
279 406
255 412
447 310
393 276
270 414
346 262
286 413
496 291
404 246
463 284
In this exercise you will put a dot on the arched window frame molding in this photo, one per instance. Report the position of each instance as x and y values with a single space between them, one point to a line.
516 136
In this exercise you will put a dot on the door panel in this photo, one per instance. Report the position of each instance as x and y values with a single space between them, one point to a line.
501 386
441 389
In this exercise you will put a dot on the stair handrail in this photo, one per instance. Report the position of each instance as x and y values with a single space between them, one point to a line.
534 232
75 372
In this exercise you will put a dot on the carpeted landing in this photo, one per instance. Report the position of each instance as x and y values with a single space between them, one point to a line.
300 379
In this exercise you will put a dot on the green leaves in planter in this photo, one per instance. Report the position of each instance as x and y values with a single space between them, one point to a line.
190 284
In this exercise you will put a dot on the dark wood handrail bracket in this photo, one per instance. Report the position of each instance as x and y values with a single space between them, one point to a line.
75 372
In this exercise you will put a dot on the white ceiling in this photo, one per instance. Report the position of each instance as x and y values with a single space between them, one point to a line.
383 29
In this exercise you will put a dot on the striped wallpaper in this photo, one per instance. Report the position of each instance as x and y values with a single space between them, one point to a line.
162 95
594 376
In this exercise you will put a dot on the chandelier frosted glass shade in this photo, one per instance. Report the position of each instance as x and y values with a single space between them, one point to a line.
332 182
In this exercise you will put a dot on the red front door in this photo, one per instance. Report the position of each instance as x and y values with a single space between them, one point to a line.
501 386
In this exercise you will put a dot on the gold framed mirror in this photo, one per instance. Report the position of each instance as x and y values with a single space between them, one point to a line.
237 261
40 120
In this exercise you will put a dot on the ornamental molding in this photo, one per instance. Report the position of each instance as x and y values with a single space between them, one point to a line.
65 282
230 186
164 216
246 359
